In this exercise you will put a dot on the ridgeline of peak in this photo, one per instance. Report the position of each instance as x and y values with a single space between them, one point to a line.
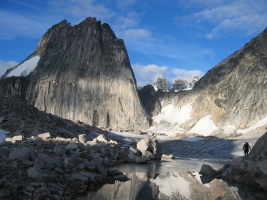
83 73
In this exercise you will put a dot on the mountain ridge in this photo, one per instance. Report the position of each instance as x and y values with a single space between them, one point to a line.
84 74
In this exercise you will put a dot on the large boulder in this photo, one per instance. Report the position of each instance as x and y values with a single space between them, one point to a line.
207 170
150 147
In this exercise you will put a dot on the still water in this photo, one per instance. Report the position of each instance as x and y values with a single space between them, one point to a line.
171 180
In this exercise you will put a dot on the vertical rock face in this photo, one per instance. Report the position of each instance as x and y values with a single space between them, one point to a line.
84 74
150 100
236 89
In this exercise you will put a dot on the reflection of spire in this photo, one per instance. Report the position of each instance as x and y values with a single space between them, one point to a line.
184 185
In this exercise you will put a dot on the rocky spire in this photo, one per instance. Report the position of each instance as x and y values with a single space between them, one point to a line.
84 73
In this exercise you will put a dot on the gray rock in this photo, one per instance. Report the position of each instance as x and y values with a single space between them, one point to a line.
150 145
36 174
142 159
83 138
29 188
44 135
17 138
100 167
42 193
20 153
79 178
207 171
4 193
131 156
71 146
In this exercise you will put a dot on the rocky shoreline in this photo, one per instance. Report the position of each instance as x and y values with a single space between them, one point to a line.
250 170
47 157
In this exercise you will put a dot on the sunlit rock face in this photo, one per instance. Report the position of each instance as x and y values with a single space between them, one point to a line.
171 186
235 89
231 97
83 73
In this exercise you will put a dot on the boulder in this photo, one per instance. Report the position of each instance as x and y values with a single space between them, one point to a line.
83 138
20 153
100 139
207 170
150 145
142 159
42 177
79 178
100 168
16 138
44 135
71 146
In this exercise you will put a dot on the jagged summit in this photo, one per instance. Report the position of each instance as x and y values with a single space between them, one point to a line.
162 84
80 72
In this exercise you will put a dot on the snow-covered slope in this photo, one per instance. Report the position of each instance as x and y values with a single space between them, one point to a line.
25 68
170 121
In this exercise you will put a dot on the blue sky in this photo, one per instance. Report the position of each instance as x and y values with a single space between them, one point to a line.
175 39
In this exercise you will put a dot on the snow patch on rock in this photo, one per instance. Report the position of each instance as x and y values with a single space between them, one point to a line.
170 118
25 68
204 126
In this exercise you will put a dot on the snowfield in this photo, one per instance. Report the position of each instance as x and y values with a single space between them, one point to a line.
25 68
171 118
204 127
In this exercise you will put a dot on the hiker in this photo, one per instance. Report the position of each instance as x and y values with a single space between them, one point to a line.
246 149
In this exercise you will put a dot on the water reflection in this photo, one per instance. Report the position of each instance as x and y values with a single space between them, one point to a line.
172 165
165 180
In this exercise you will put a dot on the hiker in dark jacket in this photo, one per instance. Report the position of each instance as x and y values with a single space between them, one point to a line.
246 149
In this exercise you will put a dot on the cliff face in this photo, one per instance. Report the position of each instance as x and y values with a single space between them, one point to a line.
236 88
84 74
228 101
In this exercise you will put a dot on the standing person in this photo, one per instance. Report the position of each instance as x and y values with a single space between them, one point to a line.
246 149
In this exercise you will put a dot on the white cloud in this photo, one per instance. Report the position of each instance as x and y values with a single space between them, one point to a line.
137 34
130 20
148 74
243 17
5 65
83 8
125 4
187 75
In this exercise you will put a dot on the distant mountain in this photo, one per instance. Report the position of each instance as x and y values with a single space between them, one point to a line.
79 72
184 85
161 84
229 101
